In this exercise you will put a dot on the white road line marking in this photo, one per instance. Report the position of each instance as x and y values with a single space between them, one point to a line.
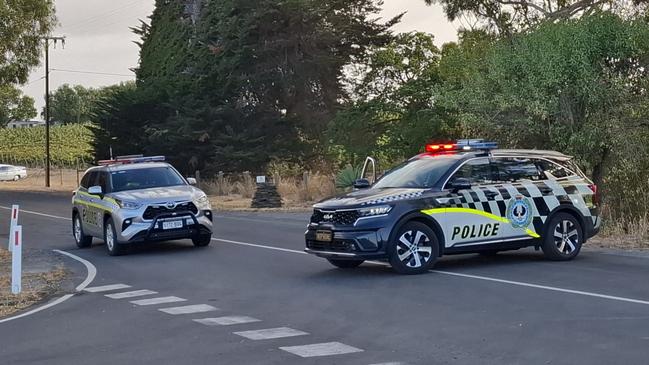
37 213
131 294
159 300
321 349
90 276
545 287
99 289
226 321
270 333
197 308
259 246
486 278
390 363
90 268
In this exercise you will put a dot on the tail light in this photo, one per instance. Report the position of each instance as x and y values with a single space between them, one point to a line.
593 187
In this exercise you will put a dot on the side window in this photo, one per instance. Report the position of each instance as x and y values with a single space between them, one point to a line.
102 180
87 179
477 171
513 169
552 170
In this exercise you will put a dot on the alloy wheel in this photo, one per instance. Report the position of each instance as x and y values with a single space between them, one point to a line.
413 248
110 239
566 237
77 229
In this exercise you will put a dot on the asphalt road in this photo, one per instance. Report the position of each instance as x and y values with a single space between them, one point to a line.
515 308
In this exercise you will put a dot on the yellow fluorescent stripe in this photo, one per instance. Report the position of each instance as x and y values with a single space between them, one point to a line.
532 233
77 201
476 212
110 200
466 210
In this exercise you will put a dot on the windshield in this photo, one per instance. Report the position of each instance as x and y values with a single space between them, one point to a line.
419 173
154 177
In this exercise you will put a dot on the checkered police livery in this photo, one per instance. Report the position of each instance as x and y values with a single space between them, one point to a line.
459 197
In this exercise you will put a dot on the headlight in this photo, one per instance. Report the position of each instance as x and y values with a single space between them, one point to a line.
376 210
203 203
127 204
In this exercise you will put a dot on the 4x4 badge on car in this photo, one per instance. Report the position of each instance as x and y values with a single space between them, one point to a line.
519 212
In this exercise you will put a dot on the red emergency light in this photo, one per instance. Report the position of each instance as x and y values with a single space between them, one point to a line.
440 147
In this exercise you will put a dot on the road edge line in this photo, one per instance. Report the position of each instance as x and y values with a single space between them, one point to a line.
91 272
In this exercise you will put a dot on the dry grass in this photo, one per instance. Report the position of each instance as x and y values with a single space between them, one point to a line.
60 180
624 233
35 286
235 192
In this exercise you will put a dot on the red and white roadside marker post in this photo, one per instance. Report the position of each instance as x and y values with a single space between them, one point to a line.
15 210
16 259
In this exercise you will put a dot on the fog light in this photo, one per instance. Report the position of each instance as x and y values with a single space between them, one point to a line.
208 214
126 224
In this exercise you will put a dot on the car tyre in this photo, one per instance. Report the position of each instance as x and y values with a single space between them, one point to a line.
345 264
563 237
17 177
110 238
80 238
414 249
202 240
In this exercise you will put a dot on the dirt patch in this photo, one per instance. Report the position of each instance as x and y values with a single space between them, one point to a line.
624 242
43 275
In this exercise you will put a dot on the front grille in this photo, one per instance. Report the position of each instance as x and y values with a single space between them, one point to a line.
336 245
341 217
153 211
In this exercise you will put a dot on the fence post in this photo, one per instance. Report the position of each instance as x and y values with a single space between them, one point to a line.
198 178
61 169
305 180
220 179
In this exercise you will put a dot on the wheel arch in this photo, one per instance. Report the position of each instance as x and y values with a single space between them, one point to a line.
569 209
425 219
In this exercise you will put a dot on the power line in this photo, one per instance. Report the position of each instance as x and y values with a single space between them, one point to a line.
33 81
92 72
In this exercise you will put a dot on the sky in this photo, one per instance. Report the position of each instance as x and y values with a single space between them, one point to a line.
98 40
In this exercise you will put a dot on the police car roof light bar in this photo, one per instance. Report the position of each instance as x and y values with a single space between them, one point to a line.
461 145
120 160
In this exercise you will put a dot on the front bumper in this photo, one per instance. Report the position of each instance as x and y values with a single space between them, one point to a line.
365 241
134 229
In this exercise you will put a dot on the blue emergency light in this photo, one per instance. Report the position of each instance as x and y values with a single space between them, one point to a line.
475 144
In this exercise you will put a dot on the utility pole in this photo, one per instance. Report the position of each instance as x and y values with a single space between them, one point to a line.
47 103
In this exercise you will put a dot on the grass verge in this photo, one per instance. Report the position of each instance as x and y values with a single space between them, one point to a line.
36 286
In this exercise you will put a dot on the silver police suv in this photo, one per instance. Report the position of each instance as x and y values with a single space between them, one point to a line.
138 199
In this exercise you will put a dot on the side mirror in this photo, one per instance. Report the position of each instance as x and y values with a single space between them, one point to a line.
96 190
191 181
361 184
461 183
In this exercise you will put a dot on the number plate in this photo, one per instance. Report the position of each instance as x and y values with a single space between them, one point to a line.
172 224
325 236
